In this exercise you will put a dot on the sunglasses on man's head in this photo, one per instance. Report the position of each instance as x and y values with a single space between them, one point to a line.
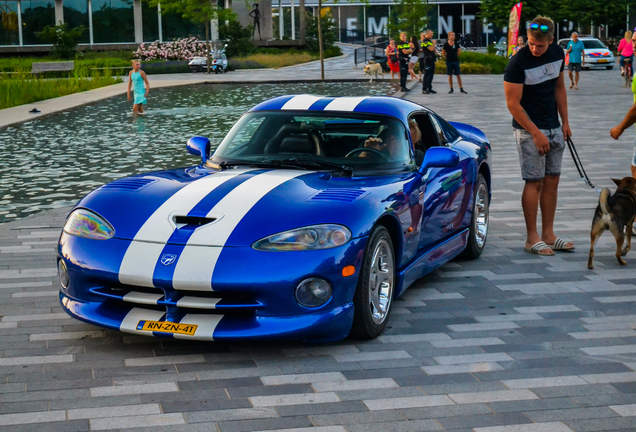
542 27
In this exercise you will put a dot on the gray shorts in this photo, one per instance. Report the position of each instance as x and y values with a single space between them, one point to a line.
574 67
535 166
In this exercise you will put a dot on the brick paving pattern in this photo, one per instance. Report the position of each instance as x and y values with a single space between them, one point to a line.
510 342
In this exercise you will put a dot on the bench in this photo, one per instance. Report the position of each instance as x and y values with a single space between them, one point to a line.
66 66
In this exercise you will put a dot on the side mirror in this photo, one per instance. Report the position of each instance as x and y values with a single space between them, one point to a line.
439 157
199 146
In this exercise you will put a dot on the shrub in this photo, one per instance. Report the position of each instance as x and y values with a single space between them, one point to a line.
237 37
165 67
329 33
497 63
64 40
179 49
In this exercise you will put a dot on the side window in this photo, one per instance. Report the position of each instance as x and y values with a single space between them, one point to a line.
438 131
564 44
449 131
429 137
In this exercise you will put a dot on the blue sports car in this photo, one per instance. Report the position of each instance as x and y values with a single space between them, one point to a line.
308 220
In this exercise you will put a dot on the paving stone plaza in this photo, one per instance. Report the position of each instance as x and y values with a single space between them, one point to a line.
510 342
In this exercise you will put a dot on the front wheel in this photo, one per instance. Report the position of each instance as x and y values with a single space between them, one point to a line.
376 284
479 221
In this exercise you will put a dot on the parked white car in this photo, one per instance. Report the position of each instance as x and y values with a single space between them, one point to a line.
597 54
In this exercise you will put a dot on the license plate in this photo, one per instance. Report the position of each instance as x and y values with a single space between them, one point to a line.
602 61
167 327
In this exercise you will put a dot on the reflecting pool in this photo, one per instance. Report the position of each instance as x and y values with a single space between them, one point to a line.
54 161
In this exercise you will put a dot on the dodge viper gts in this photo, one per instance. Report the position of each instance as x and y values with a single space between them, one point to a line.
306 222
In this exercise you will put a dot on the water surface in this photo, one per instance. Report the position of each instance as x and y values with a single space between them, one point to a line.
54 161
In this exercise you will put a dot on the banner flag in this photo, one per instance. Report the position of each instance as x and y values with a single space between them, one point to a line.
513 27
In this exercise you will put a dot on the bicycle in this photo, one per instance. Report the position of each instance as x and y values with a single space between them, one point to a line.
627 68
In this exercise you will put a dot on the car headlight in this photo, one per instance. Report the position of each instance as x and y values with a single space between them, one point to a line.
313 237
85 223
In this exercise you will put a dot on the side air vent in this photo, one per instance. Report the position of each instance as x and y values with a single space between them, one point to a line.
338 195
129 183
192 220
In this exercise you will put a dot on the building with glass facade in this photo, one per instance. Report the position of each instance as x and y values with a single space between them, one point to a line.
109 23
124 23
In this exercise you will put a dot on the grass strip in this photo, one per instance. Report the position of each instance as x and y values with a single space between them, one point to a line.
21 88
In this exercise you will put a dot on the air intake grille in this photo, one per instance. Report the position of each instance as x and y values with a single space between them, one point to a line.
338 195
128 183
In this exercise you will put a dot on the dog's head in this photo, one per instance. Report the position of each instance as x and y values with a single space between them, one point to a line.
628 183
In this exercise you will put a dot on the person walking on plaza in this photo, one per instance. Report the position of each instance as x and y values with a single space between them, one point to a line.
415 47
136 80
451 52
536 96
393 60
428 46
626 50
577 59
404 53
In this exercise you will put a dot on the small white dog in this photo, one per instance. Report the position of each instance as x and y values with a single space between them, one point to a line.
373 69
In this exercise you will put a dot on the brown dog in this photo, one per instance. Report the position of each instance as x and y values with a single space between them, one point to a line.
614 213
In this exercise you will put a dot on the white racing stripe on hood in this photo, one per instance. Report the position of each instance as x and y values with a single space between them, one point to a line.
130 321
206 326
196 264
138 265
344 103
301 102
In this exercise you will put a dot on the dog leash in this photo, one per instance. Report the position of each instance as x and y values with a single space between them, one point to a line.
579 165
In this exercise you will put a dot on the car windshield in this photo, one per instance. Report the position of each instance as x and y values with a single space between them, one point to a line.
316 140
593 44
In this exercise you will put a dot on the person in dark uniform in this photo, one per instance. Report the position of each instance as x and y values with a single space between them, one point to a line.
428 47
404 52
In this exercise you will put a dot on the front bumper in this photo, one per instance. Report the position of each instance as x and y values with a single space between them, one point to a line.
253 296
600 62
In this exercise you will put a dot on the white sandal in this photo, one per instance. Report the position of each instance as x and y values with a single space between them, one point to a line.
540 248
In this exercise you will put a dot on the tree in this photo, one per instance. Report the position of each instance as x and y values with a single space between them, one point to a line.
497 12
329 33
581 12
411 17
64 40
198 11
584 12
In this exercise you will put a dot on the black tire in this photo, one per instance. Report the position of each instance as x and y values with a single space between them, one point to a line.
609 67
477 236
369 320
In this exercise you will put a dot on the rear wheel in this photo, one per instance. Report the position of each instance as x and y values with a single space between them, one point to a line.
479 221
376 284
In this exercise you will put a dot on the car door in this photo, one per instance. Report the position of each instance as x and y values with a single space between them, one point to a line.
446 197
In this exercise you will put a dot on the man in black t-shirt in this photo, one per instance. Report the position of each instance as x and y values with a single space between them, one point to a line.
536 96
427 45
404 55
451 52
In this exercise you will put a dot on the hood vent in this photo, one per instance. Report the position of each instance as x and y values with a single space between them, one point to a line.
181 221
338 195
130 184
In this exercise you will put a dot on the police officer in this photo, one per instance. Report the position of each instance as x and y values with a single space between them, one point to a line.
428 48
404 52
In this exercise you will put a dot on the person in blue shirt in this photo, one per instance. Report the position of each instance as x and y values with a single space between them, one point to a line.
577 59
